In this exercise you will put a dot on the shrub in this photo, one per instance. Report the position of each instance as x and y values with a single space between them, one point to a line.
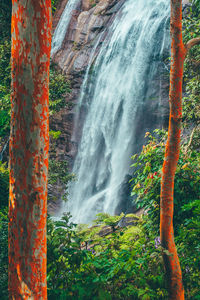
146 188
147 177
4 253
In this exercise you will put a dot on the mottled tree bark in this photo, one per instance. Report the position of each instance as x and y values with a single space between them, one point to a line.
29 143
178 53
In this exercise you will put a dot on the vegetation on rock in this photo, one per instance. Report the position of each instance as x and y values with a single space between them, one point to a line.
58 88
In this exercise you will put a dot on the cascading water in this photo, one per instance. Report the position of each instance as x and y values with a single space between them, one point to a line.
3 150
62 26
118 90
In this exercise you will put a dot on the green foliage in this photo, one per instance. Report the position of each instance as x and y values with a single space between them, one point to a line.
147 177
5 30
191 21
188 245
191 103
4 253
5 69
4 88
54 4
63 256
58 88
191 83
4 185
106 219
55 134
58 171
5 18
146 188
74 272
147 174
125 264
188 238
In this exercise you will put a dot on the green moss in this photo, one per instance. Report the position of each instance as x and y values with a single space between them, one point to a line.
191 82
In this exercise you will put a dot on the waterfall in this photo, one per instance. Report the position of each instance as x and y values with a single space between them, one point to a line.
117 103
3 150
62 26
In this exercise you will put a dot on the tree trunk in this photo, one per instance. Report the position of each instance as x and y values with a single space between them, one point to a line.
29 144
178 53
171 261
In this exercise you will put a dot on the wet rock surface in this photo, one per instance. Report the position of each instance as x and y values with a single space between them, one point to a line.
87 23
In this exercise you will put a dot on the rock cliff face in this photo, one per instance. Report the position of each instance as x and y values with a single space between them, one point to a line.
87 22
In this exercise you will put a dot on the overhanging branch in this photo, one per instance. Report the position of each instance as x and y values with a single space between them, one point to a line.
191 43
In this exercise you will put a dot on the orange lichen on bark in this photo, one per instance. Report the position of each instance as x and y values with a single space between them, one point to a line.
29 142
178 54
